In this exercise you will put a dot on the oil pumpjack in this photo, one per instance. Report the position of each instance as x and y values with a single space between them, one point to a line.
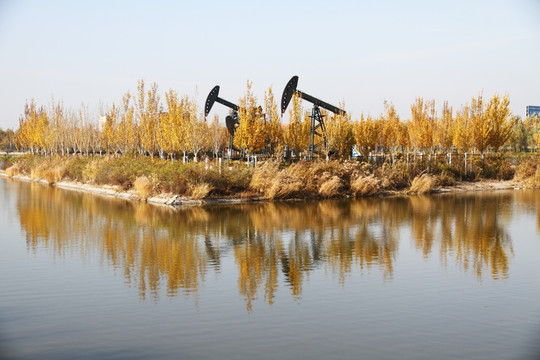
231 120
317 121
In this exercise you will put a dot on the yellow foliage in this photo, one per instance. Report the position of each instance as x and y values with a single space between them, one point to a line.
340 134
498 117
445 128
251 132
274 131
422 124
296 135
366 134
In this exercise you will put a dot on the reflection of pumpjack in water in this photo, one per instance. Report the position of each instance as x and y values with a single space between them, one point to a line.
316 116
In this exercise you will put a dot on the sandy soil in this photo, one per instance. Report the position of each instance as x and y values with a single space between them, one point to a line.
482 185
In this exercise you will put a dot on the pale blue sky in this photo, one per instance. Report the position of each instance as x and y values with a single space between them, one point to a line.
360 52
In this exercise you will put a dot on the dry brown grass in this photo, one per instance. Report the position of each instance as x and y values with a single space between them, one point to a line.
445 178
365 186
200 191
394 176
264 175
331 187
275 183
143 186
528 172
422 184
36 173
13 170
53 175
283 186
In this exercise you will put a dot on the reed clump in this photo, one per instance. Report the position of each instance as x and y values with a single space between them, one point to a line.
273 182
200 191
331 187
422 184
264 176
365 186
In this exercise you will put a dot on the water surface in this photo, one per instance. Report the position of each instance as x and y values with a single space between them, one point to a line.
439 277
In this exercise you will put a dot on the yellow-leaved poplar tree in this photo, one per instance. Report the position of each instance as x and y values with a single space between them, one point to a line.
498 116
462 134
480 129
367 132
295 135
445 128
250 135
340 134
422 124
274 131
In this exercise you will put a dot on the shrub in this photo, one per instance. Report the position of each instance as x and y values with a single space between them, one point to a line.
445 178
27 162
6 164
89 173
528 171
75 167
53 175
393 177
143 187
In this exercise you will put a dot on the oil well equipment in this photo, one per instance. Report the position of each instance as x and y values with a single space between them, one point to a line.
231 120
317 119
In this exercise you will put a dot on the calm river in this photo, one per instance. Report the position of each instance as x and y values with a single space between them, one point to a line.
434 277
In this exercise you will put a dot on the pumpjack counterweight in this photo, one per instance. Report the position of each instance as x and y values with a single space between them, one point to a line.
317 120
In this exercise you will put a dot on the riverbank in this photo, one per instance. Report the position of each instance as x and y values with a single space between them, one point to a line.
169 199
174 183
117 192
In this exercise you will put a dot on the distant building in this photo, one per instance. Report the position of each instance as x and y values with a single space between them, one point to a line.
533 111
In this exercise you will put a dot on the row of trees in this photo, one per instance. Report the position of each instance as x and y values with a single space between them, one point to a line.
141 124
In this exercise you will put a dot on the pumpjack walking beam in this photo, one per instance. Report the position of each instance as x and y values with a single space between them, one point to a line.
317 119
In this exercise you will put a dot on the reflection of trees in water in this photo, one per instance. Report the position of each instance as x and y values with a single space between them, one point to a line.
466 226
157 247
530 201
